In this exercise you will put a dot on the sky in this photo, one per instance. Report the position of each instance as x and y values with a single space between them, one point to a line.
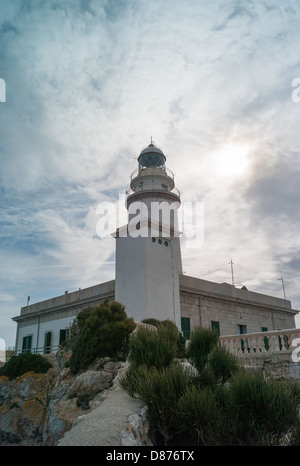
89 82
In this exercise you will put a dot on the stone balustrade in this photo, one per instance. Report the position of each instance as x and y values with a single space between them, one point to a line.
261 342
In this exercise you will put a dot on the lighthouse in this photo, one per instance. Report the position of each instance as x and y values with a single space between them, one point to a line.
148 258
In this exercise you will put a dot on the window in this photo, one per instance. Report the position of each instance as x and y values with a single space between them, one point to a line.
47 344
241 329
63 335
215 325
27 341
186 327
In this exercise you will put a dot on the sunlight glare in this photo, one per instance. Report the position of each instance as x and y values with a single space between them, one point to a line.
232 160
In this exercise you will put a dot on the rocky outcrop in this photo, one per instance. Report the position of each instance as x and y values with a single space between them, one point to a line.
22 408
38 409
119 421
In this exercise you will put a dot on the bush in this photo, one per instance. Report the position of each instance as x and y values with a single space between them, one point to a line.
265 410
152 348
198 416
222 364
26 362
223 405
151 321
161 391
175 336
172 332
99 332
202 342
155 348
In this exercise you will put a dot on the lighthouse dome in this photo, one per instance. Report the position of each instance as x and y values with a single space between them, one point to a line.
151 157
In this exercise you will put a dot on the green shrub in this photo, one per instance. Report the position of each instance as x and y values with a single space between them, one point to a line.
133 380
265 410
26 362
151 321
99 332
172 333
202 342
161 391
153 348
222 364
198 416
223 405
175 336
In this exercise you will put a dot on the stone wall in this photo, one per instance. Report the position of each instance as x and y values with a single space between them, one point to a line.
277 365
203 302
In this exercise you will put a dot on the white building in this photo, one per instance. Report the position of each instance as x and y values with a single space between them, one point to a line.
149 279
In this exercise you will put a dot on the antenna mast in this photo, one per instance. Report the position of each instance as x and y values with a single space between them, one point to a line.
281 278
231 265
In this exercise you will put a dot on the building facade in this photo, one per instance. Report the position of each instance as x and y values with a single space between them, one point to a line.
149 281
42 327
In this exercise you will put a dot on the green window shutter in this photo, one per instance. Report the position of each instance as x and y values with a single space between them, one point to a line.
62 335
47 344
186 327
24 345
215 325
27 341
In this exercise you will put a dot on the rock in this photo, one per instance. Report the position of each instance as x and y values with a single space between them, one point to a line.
62 357
73 394
38 409
108 424
137 430
22 413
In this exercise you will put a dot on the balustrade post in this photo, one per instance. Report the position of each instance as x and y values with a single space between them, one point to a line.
264 342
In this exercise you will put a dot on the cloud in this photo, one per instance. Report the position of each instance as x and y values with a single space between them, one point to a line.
88 82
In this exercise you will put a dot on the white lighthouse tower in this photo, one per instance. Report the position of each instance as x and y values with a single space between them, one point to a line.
148 259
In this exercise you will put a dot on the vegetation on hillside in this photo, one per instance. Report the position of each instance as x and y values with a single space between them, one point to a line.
212 400
196 392
98 332
26 362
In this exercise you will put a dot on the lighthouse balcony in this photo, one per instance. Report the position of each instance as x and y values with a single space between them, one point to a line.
152 190
157 171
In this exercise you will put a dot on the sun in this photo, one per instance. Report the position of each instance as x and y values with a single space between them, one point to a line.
232 160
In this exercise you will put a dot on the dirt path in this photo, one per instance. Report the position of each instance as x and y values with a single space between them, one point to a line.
105 424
